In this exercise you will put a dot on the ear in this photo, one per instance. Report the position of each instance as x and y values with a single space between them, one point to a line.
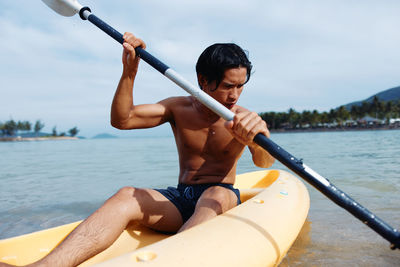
202 81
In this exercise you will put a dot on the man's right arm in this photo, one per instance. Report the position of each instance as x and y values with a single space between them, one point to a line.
124 114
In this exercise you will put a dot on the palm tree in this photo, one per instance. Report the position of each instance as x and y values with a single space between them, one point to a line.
10 127
315 118
292 118
342 114
74 131
54 131
2 128
38 126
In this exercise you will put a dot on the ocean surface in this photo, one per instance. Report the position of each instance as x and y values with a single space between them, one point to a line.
49 183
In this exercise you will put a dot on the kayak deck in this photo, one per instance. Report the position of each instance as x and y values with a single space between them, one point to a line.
259 232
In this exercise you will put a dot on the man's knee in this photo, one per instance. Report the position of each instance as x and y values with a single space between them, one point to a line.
125 193
124 197
136 203
127 203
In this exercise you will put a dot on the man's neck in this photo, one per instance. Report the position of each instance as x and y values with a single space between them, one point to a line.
204 111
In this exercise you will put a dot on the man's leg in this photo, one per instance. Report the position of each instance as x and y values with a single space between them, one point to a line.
104 226
214 201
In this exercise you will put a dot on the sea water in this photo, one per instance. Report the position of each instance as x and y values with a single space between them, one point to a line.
49 183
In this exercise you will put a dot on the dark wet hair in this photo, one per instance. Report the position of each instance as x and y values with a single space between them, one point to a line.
217 58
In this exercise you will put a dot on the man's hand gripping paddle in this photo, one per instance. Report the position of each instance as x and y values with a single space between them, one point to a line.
71 7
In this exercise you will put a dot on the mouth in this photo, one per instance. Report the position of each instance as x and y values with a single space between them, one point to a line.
229 105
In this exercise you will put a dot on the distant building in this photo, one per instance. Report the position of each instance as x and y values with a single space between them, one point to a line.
370 121
394 122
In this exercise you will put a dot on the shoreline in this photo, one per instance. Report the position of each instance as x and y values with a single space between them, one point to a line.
47 138
344 129
274 131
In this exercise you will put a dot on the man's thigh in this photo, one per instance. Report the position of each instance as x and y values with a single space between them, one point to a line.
158 212
217 198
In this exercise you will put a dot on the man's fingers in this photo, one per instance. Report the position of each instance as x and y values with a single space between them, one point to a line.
228 125
139 42
245 123
253 128
130 43
133 40
125 52
128 53
128 49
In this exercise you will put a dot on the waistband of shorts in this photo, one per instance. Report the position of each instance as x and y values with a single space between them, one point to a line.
182 185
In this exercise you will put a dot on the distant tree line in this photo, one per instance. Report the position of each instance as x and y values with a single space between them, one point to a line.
12 128
340 117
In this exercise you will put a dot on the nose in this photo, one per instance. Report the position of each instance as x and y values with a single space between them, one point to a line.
233 94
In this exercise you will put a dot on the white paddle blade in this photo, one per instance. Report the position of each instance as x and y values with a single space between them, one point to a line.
65 8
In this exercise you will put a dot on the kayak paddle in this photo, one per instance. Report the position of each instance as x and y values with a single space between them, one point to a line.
71 7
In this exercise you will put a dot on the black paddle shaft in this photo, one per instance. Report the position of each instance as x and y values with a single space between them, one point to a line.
116 35
297 166
331 191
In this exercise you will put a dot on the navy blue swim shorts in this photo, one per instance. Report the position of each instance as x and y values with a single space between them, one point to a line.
185 197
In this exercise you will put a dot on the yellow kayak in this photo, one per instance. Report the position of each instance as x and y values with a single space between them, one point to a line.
259 232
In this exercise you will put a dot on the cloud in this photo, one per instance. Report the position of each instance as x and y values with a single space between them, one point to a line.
306 54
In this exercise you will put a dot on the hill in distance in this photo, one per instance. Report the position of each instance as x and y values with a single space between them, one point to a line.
392 94
104 136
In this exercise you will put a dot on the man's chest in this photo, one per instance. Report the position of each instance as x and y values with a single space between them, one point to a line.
207 140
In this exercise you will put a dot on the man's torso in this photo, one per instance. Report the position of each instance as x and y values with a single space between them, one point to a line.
207 151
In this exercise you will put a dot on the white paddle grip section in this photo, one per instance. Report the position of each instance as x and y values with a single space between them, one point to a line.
86 14
321 179
203 97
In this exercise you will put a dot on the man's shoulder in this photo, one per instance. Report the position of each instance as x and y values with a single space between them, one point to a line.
177 101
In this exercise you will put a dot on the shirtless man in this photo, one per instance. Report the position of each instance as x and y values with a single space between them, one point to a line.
208 149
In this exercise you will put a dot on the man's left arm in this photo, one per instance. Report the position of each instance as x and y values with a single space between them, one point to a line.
244 127
261 158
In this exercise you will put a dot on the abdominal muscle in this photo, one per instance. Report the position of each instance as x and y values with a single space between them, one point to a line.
197 170
195 177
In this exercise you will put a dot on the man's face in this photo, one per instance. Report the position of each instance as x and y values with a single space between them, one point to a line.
229 89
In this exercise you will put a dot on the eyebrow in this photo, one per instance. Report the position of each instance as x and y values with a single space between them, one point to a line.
232 84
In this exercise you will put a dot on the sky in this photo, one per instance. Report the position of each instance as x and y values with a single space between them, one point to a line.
307 55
